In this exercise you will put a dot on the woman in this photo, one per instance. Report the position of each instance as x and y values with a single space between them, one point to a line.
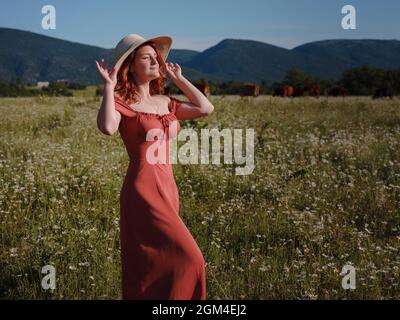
159 257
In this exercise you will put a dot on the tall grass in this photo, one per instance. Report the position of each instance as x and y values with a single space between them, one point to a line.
325 192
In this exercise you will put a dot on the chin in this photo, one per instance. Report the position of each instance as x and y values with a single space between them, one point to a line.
155 74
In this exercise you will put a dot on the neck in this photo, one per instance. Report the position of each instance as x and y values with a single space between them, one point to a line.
143 88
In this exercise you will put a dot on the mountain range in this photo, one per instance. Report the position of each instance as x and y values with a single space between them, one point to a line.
32 57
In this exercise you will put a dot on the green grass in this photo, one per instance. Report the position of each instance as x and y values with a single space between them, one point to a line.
325 191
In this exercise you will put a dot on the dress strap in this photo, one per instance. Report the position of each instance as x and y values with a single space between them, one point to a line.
123 108
174 105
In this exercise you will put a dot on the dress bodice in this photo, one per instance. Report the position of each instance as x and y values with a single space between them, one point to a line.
145 133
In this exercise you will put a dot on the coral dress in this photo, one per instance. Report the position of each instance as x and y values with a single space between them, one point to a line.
159 257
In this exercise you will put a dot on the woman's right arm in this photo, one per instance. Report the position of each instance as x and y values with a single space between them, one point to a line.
108 118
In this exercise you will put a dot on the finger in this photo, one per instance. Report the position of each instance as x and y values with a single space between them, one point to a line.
105 65
98 67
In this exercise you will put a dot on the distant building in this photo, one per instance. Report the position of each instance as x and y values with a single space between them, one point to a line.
63 81
41 84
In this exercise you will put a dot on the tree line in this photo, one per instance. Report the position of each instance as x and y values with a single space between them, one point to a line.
19 89
360 81
363 80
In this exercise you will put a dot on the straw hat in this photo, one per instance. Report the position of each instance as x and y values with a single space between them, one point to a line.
131 41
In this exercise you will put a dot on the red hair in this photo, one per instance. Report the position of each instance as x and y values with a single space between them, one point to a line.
125 81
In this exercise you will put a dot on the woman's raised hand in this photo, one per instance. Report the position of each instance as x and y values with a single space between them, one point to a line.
174 70
109 77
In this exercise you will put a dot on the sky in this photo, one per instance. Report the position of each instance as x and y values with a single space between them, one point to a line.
198 25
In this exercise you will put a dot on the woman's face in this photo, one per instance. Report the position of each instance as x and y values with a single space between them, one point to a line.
145 64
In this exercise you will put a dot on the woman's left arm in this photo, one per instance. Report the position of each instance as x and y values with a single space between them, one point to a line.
199 105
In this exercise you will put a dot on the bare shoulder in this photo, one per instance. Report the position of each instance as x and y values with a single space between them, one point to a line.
163 97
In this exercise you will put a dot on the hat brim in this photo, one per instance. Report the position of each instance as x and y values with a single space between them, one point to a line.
162 43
